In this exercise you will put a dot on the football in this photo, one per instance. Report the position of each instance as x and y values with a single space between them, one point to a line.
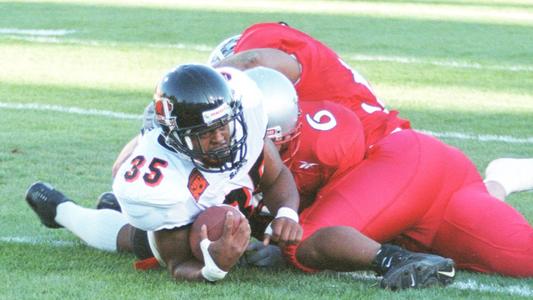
214 218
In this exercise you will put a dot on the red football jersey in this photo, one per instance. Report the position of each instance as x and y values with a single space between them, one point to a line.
331 142
325 76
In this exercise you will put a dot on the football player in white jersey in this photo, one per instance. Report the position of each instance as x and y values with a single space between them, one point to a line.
210 149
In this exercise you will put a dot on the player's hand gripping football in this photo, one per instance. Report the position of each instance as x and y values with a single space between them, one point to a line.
227 250
284 231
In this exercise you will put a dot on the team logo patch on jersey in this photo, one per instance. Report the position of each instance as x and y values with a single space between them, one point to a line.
197 184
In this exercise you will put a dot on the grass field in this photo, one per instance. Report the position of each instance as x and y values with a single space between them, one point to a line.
74 76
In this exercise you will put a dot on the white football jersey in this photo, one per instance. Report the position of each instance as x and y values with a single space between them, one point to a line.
158 188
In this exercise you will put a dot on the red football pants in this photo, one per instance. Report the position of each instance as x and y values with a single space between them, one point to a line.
414 190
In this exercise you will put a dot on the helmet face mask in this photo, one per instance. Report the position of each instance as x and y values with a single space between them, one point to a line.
195 106
190 141
223 50
288 143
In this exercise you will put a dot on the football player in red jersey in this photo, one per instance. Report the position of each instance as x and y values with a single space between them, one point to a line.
409 189
319 73
320 147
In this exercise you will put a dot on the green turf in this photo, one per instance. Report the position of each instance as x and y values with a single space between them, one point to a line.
471 75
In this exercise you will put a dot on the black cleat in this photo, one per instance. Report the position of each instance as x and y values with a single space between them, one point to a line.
44 199
108 200
418 270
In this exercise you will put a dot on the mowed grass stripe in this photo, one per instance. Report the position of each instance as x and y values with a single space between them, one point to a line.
480 11
46 39
125 67
139 68
488 43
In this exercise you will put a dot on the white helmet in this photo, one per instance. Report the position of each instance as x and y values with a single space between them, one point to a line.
223 50
281 104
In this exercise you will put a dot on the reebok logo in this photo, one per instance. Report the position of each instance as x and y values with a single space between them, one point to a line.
306 165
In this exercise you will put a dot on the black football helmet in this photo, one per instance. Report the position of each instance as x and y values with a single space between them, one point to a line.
192 100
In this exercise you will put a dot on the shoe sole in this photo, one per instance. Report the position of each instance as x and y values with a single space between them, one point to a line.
420 275
44 219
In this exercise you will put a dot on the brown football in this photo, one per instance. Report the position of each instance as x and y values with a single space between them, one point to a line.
214 218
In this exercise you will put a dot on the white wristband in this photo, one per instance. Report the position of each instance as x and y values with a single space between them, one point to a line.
210 271
283 212
287 212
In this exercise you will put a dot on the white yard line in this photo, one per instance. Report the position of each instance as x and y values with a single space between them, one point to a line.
58 38
70 110
119 115
35 241
36 32
480 137
515 290
95 43
469 284
441 63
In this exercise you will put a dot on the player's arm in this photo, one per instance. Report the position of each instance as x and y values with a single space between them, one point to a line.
174 249
149 123
266 57
124 154
281 197
219 256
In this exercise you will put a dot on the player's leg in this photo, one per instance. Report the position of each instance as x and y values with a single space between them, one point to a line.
482 233
496 189
128 236
504 176
108 200
346 249
131 239
382 197
323 250
389 192
98 228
